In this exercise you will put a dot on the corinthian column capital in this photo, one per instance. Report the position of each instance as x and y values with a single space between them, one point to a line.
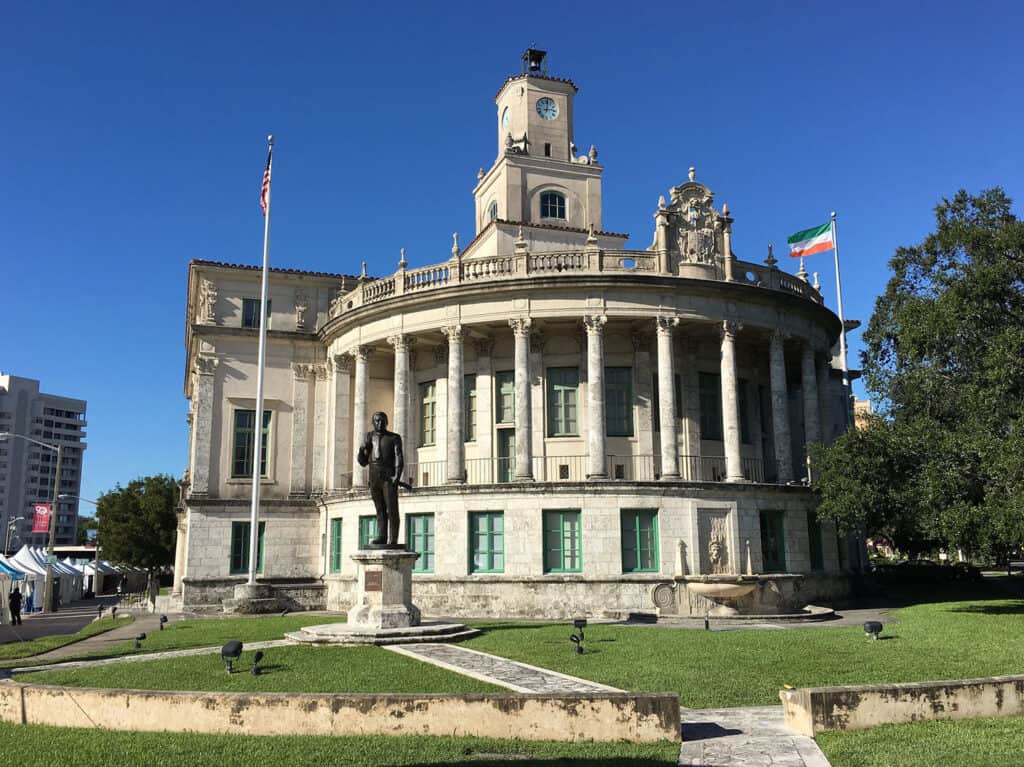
594 323
521 326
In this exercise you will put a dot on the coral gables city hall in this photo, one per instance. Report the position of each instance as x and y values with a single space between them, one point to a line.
588 429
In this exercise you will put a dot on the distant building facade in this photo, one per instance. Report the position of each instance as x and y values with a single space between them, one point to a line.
582 423
27 471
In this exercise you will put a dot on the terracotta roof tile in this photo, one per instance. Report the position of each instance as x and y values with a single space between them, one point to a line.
202 262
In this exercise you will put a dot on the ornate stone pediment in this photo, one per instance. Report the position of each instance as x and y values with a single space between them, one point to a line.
694 226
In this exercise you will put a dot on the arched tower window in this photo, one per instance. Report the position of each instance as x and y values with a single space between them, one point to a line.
552 205
492 210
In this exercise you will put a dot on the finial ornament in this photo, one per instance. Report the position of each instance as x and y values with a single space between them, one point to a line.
817 285
519 236
771 260
591 237
725 209
480 175
362 274
661 202
693 172
802 273
592 154
401 261
455 245
270 140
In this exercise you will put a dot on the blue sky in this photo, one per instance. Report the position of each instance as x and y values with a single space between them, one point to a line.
134 140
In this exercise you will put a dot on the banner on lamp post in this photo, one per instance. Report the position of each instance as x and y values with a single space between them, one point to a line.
40 518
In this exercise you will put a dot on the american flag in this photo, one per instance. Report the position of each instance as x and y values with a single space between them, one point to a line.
265 190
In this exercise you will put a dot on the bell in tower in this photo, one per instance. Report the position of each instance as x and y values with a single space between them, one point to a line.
533 62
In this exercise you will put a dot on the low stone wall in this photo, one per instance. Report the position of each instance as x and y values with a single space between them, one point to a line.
637 717
209 594
857 707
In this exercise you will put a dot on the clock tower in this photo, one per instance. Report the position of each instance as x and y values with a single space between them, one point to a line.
538 181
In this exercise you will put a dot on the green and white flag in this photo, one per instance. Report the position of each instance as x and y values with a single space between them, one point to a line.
811 241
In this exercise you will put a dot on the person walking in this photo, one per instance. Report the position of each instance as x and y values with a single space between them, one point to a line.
14 602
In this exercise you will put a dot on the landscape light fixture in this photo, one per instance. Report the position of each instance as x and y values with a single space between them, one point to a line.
577 639
230 653
872 629
163 620
255 661
138 641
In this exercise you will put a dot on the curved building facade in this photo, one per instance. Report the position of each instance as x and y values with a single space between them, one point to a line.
582 422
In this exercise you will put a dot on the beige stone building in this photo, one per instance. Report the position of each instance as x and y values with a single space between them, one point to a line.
582 423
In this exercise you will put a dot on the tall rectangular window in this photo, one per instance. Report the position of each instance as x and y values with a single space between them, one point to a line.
505 397
640 540
428 405
563 551
367 530
814 536
563 389
419 536
618 401
251 313
336 545
242 443
240 548
469 408
773 541
710 393
487 542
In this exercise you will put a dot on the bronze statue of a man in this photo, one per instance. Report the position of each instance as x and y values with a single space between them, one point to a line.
382 452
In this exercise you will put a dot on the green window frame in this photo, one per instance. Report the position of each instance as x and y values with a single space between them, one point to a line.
773 541
428 411
563 396
505 396
243 426
367 530
487 542
239 564
563 541
618 401
336 545
469 407
710 393
419 537
640 541
814 538
251 313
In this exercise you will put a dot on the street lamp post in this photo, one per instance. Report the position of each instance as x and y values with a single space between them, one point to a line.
48 606
97 583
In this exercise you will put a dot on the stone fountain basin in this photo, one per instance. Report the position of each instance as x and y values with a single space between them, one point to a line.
721 589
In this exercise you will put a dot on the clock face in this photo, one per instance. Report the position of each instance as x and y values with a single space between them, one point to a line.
547 109
504 119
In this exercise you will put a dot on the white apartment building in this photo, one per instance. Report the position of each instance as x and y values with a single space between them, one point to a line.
27 470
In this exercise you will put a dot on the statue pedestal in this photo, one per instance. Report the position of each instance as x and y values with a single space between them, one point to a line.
383 598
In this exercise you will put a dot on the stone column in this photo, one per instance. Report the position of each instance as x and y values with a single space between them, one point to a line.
537 420
730 403
342 431
360 422
780 407
180 558
524 447
809 383
297 486
667 399
319 432
202 423
400 409
455 464
824 405
596 430
484 410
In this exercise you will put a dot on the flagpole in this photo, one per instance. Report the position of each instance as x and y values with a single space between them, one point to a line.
257 452
847 394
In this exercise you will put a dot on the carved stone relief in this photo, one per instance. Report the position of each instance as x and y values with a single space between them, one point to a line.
301 305
207 302
714 542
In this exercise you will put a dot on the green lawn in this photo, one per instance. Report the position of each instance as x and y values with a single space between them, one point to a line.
15 650
975 634
968 743
210 632
34 745
285 669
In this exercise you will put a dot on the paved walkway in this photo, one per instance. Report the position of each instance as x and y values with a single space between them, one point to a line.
744 737
520 677
67 620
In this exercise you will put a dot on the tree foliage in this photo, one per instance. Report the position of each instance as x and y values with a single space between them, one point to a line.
138 523
944 463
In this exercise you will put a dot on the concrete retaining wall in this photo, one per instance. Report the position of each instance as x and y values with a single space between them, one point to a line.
857 707
637 717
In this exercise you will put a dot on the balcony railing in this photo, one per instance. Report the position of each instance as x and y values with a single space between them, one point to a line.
553 264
